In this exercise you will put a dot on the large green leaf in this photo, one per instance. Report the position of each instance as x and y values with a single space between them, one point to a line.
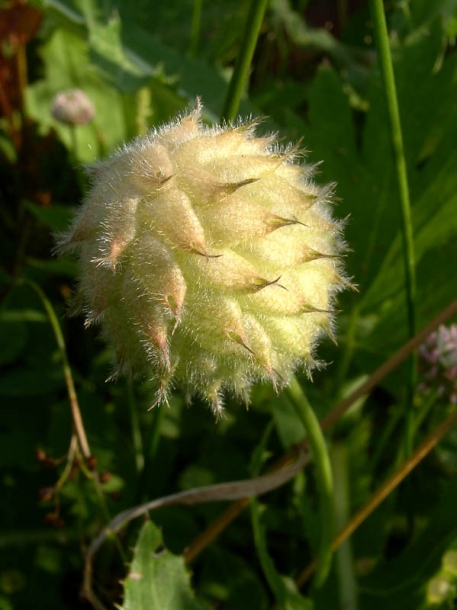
13 337
157 579
231 580
28 381
57 217
401 582
107 54
66 60
427 88
126 54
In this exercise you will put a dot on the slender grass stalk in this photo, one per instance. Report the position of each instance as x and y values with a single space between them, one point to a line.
385 438
324 477
143 111
75 411
275 582
154 433
150 446
387 72
243 63
347 582
195 27
137 439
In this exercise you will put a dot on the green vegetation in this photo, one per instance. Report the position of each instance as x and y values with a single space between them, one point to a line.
76 451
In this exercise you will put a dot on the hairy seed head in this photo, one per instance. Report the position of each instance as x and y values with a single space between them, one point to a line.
209 256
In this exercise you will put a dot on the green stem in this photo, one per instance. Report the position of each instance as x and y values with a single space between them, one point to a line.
241 71
154 433
75 411
136 430
387 72
150 447
196 25
343 556
323 476
385 440
143 111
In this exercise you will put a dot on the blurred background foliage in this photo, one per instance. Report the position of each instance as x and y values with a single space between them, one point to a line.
315 76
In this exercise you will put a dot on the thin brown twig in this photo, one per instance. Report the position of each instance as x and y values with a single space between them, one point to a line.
224 520
216 528
381 494
70 461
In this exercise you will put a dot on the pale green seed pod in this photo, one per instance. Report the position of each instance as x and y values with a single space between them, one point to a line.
209 256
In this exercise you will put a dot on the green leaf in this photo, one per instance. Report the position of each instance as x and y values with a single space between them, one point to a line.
402 581
13 337
5 603
285 590
28 381
60 266
157 579
66 60
195 77
290 429
16 447
23 315
424 10
427 89
57 217
7 148
231 580
107 54
127 62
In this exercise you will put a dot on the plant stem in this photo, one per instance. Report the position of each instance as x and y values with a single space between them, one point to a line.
387 72
136 429
323 476
241 71
75 411
196 25
343 557
150 446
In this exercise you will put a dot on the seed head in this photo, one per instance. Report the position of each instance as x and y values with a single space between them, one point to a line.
209 256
